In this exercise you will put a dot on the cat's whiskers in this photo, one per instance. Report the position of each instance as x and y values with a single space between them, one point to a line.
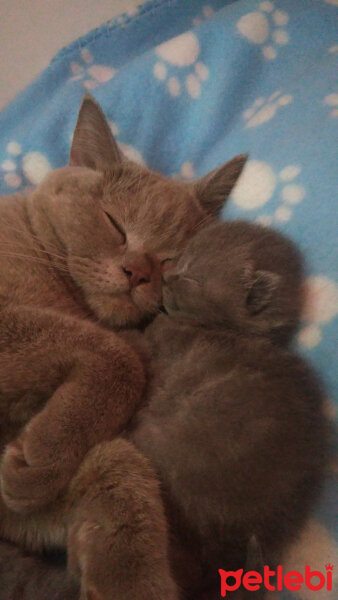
31 235
34 237
25 247
35 259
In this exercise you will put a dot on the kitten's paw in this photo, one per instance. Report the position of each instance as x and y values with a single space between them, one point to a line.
26 487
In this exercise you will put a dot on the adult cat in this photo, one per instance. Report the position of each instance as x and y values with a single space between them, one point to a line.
234 425
82 254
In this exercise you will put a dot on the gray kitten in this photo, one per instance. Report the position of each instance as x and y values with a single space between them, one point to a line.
234 426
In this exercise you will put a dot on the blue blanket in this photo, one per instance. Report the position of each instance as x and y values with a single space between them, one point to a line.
186 85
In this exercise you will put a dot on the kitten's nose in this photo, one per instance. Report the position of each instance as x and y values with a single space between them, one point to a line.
137 274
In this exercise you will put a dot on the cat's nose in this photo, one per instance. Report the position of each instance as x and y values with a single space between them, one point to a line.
137 274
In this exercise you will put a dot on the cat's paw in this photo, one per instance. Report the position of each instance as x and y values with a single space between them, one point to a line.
98 553
97 562
86 542
26 487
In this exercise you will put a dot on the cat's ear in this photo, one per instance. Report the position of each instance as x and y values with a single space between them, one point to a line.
214 188
260 290
93 143
254 555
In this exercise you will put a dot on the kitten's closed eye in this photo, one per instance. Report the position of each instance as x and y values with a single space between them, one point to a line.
167 264
118 228
180 277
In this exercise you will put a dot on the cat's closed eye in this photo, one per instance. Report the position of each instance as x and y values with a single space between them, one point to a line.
118 228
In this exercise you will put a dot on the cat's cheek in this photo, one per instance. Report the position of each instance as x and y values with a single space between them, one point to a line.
148 297
119 307
114 311
98 277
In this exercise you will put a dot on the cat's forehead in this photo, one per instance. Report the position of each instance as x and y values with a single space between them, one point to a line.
155 211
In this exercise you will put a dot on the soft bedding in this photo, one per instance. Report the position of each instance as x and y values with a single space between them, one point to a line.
187 84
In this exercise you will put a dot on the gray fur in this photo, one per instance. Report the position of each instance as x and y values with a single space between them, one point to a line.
234 426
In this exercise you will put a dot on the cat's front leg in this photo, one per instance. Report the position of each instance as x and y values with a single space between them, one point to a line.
117 536
98 380
112 521
27 486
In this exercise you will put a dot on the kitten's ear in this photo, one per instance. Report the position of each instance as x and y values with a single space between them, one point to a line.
214 188
254 562
260 290
93 142
254 555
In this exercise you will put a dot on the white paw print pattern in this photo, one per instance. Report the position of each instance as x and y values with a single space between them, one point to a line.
330 410
332 100
133 11
91 74
315 546
321 307
207 13
186 172
264 109
19 170
181 52
131 153
265 28
128 150
123 19
258 184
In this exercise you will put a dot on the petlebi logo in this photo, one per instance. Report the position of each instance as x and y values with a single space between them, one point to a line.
291 580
